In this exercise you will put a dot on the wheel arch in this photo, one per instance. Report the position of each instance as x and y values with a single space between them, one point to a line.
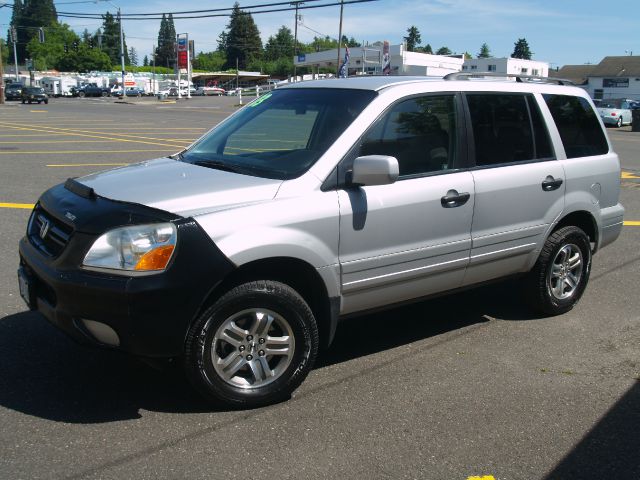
583 220
294 272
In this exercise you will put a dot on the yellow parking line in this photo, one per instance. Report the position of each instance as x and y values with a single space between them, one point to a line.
17 205
88 165
174 148
628 175
79 134
631 223
38 111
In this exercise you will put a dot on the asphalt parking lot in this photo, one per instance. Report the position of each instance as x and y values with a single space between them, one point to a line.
467 385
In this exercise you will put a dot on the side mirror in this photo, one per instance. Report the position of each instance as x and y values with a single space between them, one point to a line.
374 170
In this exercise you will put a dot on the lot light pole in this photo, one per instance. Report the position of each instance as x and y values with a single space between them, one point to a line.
121 42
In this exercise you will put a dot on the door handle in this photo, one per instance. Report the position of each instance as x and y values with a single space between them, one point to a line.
551 183
454 199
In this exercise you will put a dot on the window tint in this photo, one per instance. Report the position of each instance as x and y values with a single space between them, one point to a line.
578 125
420 133
502 129
542 142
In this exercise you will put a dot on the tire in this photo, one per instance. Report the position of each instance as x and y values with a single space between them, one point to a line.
619 122
104 94
23 102
81 94
558 279
46 102
224 358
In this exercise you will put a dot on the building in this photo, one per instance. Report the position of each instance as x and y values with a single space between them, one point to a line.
613 77
368 61
514 66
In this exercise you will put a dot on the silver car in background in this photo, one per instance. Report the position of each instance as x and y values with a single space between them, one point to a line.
615 111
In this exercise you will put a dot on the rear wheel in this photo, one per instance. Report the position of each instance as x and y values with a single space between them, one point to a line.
253 347
560 276
105 94
619 122
81 94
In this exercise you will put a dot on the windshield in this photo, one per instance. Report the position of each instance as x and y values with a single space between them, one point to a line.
281 134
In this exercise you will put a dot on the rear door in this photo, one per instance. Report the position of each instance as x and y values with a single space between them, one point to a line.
519 184
410 238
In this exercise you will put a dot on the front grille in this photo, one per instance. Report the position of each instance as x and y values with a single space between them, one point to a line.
47 233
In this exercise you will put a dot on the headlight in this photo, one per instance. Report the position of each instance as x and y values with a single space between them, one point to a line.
140 248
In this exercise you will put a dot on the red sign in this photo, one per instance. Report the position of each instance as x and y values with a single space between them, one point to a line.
183 59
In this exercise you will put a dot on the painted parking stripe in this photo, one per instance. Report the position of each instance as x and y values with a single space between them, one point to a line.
88 165
631 223
28 206
629 175
174 148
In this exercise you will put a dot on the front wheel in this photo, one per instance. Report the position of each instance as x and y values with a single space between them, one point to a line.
619 122
253 347
560 276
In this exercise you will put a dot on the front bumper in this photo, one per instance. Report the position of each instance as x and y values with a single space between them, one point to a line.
149 315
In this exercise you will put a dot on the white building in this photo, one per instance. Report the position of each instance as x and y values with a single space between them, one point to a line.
515 66
613 77
368 60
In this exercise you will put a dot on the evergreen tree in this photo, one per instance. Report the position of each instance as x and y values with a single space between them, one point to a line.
243 41
413 38
428 49
222 42
166 50
111 39
16 19
443 51
133 57
521 50
145 61
485 52
279 46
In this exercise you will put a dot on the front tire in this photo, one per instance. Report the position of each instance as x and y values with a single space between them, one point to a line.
560 276
619 122
253 347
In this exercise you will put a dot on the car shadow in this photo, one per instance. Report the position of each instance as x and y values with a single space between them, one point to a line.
45 374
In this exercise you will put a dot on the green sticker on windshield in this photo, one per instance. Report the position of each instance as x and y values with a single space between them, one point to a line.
258 101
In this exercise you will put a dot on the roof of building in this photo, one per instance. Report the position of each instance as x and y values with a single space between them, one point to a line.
577 74
627 66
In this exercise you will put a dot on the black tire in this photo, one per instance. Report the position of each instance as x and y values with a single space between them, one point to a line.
546 286
23 102
81 94
46 102
104 94
287 310
619 122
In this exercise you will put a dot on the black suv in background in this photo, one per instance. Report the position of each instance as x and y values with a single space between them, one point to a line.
90 90
34 94
13 91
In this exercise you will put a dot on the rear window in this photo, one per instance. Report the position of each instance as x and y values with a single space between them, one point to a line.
578 124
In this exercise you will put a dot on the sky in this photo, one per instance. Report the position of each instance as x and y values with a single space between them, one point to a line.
560 32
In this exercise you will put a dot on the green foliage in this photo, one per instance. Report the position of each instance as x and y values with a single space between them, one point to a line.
428 49
443 51
5 52
111 39
521 50
209 62
485 51
280 45
243 40
150 69
413 38
145 61
133 57
166 50
467 56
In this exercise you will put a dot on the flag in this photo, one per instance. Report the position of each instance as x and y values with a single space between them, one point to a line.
343 73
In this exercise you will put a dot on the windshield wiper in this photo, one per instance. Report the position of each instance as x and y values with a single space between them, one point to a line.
220 166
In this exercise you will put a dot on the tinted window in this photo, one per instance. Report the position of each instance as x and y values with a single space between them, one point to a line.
503 130
281 134
420 133
578 125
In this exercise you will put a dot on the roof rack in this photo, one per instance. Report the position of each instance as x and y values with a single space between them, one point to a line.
519 78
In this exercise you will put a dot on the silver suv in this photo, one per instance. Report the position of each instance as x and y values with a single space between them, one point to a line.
239 254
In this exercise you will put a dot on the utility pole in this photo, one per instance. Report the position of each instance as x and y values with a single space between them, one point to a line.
14 39
1 77
153 87
121 51
339 37
295 43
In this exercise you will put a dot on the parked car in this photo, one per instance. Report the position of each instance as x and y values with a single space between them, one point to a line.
319 201
134 92
615 112
90 90
13 91
202 91
232 91
34 94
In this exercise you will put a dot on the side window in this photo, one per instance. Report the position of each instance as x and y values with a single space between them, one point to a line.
542 142
578 125
420 133
501 128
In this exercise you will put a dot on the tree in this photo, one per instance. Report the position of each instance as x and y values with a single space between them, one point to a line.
413 38
29 17
467 56
222 42
443 51
210 62
521 50
145 61
280 45
428 49
485 52
166 50
243 41
5 52
133 57
111 39
16 18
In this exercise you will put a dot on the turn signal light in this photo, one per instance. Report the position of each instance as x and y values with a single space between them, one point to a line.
156 259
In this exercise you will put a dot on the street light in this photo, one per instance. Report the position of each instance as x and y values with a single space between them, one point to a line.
121 42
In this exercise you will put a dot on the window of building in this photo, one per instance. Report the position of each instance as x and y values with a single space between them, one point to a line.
535 72
524 70
420 133
578 125
464 67
474 67
504 130
492 68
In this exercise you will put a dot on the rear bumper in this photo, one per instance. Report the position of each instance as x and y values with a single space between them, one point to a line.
611 219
